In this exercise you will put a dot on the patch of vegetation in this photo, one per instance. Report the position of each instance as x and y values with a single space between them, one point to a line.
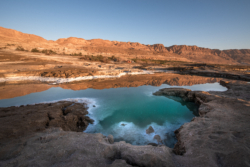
157 62
95 58
35 50
48 52
10 44
115 59
100 58
3 47
76 54
20 48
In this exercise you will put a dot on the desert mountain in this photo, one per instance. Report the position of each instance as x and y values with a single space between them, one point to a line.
11 39
17 36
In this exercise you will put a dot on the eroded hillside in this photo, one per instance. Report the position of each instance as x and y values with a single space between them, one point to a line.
11 39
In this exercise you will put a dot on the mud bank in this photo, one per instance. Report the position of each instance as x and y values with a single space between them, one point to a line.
56 80
220 74
234 73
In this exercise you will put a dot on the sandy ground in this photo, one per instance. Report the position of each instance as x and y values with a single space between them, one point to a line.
29 66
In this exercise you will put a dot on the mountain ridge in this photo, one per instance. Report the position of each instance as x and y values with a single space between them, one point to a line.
127 49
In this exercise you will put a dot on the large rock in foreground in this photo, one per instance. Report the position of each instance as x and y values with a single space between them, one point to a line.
58 148
24 120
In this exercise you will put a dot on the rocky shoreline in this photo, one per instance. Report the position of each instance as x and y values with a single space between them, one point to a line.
51 134
24 120
221 135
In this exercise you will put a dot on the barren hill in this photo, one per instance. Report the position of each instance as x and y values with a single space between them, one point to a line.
127 50
17 36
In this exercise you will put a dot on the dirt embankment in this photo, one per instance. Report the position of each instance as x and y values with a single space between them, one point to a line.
234 72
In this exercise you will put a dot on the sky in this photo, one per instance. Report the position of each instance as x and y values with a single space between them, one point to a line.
216 24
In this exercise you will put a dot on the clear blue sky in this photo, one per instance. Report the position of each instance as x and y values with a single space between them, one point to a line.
221 24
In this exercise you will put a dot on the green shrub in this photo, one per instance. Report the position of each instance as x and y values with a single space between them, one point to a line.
76 54
20 48
48 52
10 44
35 50
115 59
95 58
135 60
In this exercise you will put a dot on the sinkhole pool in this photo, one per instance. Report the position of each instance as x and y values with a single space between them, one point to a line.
126 113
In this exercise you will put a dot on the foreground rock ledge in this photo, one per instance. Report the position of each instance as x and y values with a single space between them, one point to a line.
25 120
55 147
221 135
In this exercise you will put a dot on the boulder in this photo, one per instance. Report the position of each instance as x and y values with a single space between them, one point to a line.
158 138
150 130
180 92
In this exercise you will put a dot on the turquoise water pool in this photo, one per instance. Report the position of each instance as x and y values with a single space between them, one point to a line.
126 113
